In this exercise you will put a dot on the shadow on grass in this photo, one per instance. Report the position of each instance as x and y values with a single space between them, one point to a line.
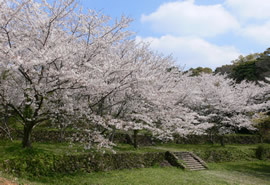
123 148
58 178
259 169
14 149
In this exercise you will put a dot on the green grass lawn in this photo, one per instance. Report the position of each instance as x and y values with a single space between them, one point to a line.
8 148
244 172
187 147
237 172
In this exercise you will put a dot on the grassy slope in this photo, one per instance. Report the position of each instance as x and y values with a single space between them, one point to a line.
251 172
240 172
187 147
8 149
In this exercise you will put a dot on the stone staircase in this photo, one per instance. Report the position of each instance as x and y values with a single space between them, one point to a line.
190 161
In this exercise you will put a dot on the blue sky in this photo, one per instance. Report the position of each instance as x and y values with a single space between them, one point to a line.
207 33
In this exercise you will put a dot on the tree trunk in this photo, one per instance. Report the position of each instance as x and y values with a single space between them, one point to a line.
211 140
62 133
261 138
129 139
222 140
135 133
26 143
5 127
112 135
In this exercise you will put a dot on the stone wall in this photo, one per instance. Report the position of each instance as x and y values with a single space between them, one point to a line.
48 164
143 140
228 139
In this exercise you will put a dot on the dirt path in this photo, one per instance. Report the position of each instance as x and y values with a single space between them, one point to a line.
6 182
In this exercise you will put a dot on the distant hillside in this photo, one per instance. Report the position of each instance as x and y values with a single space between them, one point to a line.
253 67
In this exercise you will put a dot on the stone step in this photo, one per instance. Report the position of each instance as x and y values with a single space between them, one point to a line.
191 162
187 158
194 165
195 161
196 168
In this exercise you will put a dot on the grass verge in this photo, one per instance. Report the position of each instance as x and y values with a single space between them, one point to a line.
244 172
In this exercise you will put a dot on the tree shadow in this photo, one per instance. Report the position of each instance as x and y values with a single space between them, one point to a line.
12 149
254 168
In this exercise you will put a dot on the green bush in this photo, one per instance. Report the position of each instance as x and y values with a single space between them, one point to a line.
263 152
35 165
224 155
228 139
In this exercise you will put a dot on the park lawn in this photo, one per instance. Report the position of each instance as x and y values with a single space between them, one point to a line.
10 149
243 172
187 147
14 148
237 172
193 147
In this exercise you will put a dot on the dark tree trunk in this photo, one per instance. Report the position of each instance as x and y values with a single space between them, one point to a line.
26 143
112 135
129 139
62 133
135 133
261 139
5 127
222 140
211 139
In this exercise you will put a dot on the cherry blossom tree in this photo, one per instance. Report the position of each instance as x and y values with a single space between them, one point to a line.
82 70
136 91
68 67
150 101
225 104
127 97
48 53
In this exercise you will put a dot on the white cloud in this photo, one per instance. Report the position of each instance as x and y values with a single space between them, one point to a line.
188 19
193 51
259 33
258 9
189 29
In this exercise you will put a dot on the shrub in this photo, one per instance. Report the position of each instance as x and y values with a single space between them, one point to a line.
224 155
33 165
263 152
48 164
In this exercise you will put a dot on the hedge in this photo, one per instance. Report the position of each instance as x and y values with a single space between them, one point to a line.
45 164
263 152
228 139
48 164
144 140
